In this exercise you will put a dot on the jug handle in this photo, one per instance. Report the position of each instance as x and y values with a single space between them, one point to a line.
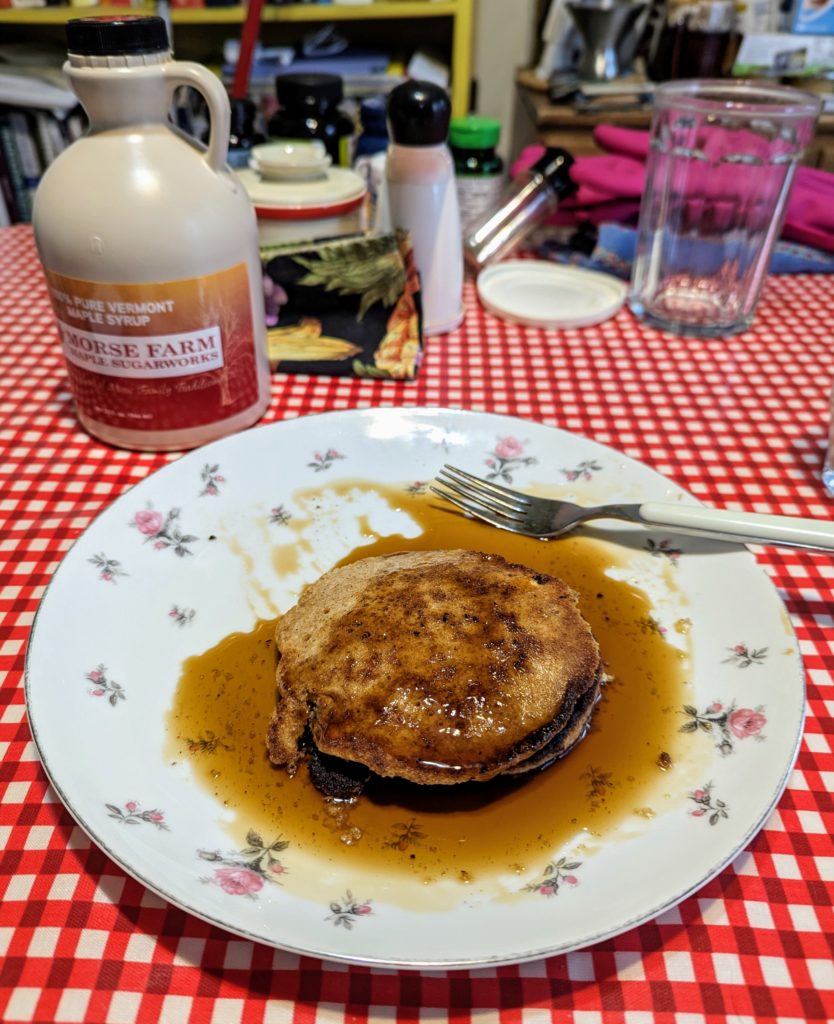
185 72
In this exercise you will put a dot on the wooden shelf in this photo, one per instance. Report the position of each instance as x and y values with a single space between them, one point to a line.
319 12
191 18
235 14
558 124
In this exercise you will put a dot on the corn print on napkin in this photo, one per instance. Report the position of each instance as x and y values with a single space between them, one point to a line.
347 307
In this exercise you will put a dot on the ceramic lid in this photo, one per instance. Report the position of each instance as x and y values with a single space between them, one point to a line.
285 160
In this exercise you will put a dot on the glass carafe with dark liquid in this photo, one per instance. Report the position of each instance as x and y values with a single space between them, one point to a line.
697 40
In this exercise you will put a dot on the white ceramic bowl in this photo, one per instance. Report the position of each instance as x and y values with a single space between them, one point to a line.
291 160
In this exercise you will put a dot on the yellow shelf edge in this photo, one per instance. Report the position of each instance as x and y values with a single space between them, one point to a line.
207 15
60 15
390 9
460 12
363 12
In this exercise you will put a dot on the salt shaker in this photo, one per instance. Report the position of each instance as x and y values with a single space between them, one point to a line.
421 197
528 200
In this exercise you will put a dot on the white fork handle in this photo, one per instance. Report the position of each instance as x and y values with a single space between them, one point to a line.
751 527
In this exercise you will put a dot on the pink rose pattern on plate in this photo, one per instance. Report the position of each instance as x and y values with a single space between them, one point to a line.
649 624
205 744
109 569
279 515
324 460
743 656
725 723
181 616
507 456
346 911
212 480
584 471
708 807
104 686
163 531
244 873
557 874
132 814
663 549
405 834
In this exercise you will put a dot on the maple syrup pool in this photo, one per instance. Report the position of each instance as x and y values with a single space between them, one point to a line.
623 769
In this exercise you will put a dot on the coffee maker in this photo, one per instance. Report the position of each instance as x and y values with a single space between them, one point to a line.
594 40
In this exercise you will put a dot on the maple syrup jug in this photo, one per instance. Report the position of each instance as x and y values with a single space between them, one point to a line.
150 248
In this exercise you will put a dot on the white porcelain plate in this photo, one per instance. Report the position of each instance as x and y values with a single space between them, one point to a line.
187 557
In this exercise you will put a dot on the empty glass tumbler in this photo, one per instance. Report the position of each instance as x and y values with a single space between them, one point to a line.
721 162
828 466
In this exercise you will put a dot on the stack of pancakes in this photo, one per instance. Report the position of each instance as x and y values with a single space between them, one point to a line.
435 667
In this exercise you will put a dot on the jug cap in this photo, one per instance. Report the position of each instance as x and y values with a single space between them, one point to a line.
118 34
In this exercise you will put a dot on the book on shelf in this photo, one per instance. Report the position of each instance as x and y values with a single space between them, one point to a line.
8 206
39 116
35 85
31 164
49 136
29 141
13 168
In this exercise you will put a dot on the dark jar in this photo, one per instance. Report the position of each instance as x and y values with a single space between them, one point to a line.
479 171
309 109
243 133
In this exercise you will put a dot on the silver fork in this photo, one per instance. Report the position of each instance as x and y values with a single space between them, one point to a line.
544 517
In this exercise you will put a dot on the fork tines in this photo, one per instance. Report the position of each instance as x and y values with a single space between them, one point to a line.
479 497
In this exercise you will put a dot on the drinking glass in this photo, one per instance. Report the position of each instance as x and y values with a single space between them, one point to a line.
828 465
721 162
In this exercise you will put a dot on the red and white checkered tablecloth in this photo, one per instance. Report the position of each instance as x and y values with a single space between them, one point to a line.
739 422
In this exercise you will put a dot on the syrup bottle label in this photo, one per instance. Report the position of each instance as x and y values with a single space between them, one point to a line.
158 356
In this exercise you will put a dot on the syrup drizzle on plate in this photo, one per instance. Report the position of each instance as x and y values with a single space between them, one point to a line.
620 773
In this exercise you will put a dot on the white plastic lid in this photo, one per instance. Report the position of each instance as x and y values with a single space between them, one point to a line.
543 294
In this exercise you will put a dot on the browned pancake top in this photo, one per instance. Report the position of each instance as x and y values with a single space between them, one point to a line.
438 666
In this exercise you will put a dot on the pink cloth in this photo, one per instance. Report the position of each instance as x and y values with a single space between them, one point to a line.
610 186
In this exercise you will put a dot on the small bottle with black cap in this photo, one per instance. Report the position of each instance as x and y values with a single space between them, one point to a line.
309 108
150 247
420 197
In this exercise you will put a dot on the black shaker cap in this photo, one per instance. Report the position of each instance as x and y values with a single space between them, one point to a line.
554 166
419 114
117 35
